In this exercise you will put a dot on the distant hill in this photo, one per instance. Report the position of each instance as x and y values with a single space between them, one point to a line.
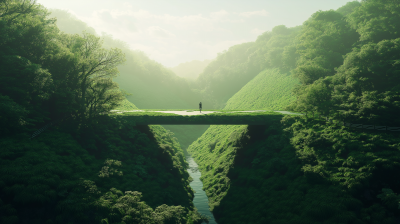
190 70
69 23
269 90
152 85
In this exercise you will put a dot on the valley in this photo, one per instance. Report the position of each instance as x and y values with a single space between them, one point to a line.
298 126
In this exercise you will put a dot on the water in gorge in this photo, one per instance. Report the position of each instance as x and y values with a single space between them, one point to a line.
200 198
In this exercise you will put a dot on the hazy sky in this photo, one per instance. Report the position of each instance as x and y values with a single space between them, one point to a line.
177 31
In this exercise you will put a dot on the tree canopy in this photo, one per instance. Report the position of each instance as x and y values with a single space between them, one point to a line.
349 68
49 74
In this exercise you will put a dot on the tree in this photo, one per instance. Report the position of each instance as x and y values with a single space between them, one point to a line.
51 74
319 94
26 83
15 8
348 8
25 39
376 20
93 67
367 86
302 104
324 38
12 116
26 31
103 95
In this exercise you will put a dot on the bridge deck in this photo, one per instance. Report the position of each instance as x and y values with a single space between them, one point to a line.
195 118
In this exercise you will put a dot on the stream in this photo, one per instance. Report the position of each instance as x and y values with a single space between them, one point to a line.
200 200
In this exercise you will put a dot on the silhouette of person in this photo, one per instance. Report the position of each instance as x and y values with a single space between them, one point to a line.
200 106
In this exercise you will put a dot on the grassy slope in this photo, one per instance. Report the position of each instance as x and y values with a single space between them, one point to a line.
304 175
126 105
269 90
44 174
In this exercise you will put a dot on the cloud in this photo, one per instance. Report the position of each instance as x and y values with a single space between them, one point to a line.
110 21
219 14
174 54
105 16
157 31
128 22
254 13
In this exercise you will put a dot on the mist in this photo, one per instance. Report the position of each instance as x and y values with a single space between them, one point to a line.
176 32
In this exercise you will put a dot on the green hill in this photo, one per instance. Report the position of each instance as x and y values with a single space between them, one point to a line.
152 85
234 68
270 90
126 105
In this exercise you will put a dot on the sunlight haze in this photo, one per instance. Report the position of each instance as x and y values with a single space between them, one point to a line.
174 32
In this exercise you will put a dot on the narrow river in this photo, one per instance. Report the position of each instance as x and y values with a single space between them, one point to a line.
200 200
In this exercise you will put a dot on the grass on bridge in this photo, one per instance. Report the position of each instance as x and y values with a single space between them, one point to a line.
220 117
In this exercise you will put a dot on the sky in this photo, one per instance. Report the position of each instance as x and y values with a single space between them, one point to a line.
177 31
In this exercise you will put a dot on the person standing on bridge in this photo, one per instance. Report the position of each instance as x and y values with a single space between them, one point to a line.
200 106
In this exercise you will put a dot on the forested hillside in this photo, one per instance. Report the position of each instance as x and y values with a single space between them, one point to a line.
87 167
151 85
301 171
55 178
362 86
306 169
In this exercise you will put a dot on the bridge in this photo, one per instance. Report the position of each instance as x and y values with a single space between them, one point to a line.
187 117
